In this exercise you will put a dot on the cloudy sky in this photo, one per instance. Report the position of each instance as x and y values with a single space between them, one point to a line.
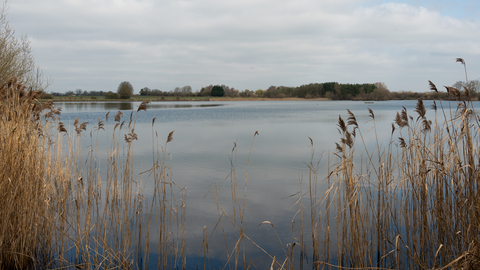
249 44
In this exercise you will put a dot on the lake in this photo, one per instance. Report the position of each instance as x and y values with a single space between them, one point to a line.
201 153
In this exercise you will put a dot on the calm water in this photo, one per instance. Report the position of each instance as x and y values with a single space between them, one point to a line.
204 135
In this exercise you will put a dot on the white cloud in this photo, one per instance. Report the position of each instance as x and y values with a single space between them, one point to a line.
244 44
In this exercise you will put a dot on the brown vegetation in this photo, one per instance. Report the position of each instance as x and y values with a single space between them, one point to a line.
59 212
412 204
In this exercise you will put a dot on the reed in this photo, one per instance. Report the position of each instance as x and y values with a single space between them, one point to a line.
23 169
412 204
66 205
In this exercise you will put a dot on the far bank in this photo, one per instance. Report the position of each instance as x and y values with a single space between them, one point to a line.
154 98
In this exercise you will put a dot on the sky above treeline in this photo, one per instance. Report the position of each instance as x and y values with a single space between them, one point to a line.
249 44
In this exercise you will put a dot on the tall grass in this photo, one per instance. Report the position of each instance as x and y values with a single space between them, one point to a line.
22 191
410 204
63 206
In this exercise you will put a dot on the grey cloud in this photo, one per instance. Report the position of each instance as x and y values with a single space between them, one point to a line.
164 44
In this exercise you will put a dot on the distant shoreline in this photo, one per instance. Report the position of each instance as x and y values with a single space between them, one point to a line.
169 99
264 99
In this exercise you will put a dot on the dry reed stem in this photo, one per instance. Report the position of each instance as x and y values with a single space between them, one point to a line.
415 206
60 212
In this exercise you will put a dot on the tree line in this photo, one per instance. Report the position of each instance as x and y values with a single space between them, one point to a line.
329 90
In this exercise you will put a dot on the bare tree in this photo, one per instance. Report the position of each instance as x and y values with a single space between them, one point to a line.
230 92
473 86
381 92
16 57
186 90
206 91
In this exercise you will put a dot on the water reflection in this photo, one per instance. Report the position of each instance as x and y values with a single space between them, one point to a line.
177 105
127 105
94 106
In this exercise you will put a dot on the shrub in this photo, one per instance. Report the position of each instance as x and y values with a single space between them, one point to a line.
111 95
259 92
